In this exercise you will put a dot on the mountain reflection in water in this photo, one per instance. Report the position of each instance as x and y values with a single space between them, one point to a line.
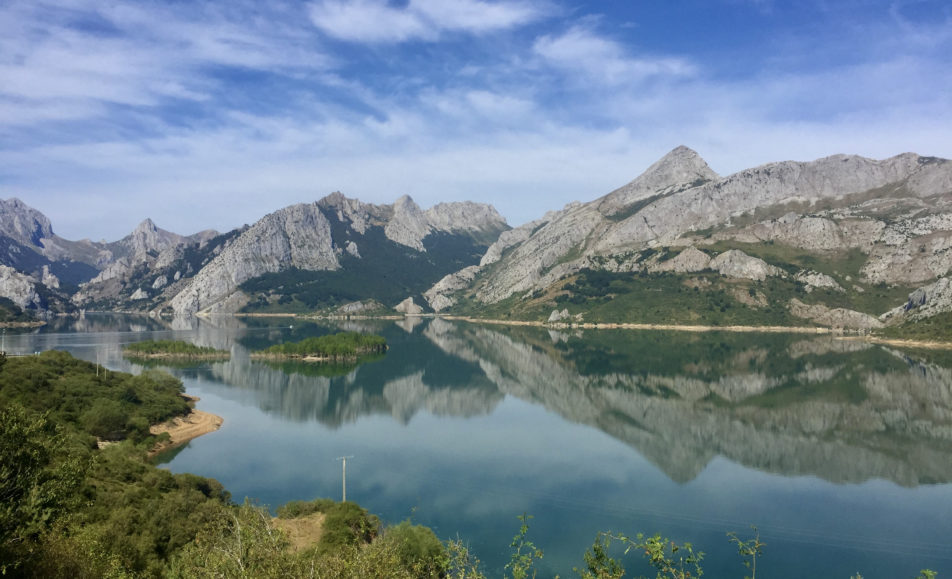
844 411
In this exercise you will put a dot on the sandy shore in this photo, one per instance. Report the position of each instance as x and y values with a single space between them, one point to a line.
182 429
632 326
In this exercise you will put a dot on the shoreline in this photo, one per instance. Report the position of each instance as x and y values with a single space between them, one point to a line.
171 356
838 334
183 429
637 326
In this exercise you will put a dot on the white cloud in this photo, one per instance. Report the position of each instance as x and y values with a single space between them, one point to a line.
583 52
376 21
475 15
136 55
368 21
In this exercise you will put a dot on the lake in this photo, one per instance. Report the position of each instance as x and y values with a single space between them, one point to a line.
840 452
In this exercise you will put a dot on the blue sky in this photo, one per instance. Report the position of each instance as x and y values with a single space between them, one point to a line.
210 114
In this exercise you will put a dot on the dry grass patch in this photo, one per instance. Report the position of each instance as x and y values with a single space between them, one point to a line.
303 532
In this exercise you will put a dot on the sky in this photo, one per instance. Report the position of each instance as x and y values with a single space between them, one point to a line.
211 114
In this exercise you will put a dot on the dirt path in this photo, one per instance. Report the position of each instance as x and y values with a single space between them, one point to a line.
182 429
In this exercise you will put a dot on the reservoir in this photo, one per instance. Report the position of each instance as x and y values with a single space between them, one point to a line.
840 452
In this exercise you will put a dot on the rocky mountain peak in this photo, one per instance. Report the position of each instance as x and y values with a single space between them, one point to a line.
409 225
466 216
682 168
147 227
147 236
22 223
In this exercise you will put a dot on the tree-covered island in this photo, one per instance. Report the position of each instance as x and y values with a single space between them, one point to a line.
340 347
172 349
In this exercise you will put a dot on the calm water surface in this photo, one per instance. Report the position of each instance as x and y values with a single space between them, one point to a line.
840 452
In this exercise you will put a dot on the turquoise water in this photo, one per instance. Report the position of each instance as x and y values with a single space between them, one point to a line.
840 452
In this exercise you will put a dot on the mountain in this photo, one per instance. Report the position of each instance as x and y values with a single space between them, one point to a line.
339 250
42 272
845 237
843 242
138 268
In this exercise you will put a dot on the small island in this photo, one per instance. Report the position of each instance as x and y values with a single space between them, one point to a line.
173 350
340 347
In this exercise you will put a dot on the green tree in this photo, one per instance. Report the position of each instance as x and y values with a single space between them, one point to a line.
525 553
749 550
39 476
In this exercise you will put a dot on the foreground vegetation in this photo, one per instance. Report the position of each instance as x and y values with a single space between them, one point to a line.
71 509
172 349
343 346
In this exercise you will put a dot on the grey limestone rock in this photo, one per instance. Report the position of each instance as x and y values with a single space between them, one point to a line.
408 307
557 316
440 295
834 317
48 279
22 223
296 236
409 224
736 263
19 288
927 301
688 261
815 279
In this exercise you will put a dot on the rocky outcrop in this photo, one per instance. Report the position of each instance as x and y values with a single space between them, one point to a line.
359 308
405 223
24 224
439 297
814 279
147 238
557 316
688 261
408 307
840 318
927 301
20 289
409 225
737 264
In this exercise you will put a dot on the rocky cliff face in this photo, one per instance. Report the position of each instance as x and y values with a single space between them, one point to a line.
316 236
20 289
24 224
897 212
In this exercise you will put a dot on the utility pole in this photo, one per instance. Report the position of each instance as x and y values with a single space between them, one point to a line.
343 460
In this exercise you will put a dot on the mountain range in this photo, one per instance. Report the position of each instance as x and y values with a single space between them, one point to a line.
842 241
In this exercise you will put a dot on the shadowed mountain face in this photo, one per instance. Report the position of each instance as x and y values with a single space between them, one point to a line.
844 411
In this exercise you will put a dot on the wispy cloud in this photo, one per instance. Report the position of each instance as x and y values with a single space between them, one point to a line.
583 52
70 61
376 21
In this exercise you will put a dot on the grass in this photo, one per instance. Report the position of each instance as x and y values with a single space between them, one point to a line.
171 349
935 328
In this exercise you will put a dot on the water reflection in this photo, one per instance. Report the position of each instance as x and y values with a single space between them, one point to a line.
840 410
